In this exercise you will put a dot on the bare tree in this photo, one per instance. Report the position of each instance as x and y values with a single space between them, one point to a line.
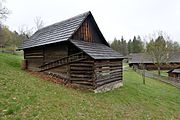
142 65
143 71
161 49
26 31
3 11
39 23
3 15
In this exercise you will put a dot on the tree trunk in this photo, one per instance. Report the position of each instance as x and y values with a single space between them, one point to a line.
143 76
159 70
143 73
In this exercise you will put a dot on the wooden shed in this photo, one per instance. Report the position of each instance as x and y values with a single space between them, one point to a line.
76 51
174 73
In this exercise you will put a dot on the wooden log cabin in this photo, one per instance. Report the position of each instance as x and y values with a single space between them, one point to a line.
136 60
76 51
174 73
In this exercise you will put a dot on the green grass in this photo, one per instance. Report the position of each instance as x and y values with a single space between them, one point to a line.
23 96
163 72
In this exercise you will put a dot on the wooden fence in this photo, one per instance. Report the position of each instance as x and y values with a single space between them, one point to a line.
169 80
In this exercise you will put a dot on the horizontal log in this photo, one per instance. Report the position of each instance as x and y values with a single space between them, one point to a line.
37 60
110 72
103 78
108 65
108 77
109 80
80 76
33 56
86 62
81 65
80 68
90 80
34 53
108 62
83 82
81 79
115 73
107 68
81 72
106 82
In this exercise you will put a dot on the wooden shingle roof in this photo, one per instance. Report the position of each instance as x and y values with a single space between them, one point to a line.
97 50
145 58
57 32
139 58
175 70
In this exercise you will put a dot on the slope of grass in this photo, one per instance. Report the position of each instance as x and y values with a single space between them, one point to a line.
163 72
23 96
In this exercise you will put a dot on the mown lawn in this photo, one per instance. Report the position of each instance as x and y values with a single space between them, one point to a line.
23 96
163 72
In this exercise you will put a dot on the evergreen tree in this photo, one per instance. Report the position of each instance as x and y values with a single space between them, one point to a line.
120 46
134 46
130 46
137 45
124 46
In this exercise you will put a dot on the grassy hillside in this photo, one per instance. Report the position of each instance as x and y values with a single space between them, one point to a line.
23 96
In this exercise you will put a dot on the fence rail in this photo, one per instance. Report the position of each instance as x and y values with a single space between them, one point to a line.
169 80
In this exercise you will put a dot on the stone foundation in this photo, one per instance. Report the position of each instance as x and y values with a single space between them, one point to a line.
108 87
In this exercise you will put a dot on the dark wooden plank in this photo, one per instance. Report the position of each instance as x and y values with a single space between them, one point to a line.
80 76
27 57
107 65
106 69
81 72
109 77
34 53
107 81
81 68
82 79
83 82
81 65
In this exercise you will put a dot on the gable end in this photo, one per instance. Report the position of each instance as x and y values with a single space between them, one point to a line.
88 31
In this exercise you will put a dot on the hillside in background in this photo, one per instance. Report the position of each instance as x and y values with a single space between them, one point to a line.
24 96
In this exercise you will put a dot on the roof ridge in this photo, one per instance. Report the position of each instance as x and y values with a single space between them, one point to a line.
63 31
85 13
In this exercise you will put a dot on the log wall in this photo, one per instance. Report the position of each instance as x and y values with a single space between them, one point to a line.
82 73
174 75
34 57
107 71
93 74
55 51
38 56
